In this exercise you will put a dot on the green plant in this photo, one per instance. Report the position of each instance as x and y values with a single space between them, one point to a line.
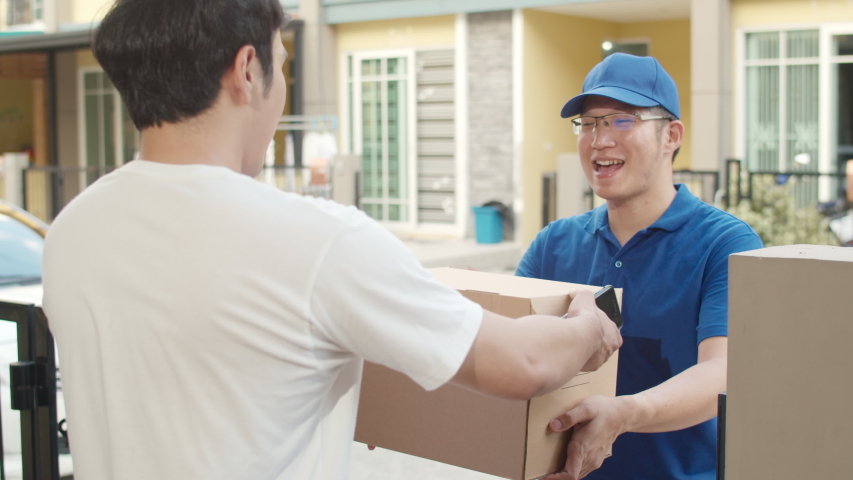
773 214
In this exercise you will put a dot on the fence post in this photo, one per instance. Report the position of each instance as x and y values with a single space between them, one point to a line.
733 170
549 198
33 388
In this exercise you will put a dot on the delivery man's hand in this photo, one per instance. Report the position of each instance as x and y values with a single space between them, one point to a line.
606 332
597 421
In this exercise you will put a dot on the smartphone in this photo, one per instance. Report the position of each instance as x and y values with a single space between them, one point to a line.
606 300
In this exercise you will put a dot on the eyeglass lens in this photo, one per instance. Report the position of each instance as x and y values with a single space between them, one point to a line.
621 121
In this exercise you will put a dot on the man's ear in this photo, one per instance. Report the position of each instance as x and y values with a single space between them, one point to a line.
240 79
674 135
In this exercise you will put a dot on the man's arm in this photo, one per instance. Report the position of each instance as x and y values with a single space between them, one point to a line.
683 401
526 357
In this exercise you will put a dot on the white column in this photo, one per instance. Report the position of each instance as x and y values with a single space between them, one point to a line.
319 57
518 120
710 122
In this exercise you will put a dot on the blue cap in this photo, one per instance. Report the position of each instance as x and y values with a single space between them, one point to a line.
637 81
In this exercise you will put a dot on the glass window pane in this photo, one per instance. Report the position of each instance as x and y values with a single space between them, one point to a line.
397 140
802 122
107 82
638 49
843 102
842 45
371 139
370 67
109 131
762 45
93 131
762 118
349 66
803 44
91 80
394 213
373 210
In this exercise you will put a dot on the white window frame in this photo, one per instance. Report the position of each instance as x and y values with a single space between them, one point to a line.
825 62
118 140
411 114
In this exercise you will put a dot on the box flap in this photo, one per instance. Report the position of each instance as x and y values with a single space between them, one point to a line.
489 301
509 285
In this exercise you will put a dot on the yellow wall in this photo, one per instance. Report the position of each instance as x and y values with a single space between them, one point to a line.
669 42
86 11
85 58
746 13
16 115
402 33
555 65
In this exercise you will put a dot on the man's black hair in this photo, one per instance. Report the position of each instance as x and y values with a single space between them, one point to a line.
167 57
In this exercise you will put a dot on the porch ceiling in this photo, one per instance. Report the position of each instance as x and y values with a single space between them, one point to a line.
626 11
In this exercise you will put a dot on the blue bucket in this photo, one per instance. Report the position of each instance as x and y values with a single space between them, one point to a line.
488 225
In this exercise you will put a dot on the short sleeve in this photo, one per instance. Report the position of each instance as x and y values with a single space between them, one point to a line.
714 309
373 298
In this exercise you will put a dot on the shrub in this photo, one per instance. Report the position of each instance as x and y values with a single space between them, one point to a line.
773 214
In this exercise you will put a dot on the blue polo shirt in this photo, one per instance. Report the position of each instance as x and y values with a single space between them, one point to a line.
675 280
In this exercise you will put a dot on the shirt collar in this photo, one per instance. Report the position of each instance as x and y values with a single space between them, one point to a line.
676 215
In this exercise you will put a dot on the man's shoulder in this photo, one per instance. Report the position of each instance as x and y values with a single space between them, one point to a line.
721 222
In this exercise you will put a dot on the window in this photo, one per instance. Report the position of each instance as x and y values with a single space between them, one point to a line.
400 119
24 12
782 115
796 110
108 136
638 48
380 124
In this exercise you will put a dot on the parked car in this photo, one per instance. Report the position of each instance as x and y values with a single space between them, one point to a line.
21 245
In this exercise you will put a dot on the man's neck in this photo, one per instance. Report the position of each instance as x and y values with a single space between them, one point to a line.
207 140
628 218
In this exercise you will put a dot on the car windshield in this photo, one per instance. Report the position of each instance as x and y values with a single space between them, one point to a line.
20 252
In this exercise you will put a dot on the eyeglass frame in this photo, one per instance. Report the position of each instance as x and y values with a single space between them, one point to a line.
576 126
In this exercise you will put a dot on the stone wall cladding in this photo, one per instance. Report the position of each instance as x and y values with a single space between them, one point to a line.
490 136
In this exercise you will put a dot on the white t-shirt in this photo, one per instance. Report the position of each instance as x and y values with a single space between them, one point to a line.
210 326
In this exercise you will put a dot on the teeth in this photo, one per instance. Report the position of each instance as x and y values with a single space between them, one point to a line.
607 163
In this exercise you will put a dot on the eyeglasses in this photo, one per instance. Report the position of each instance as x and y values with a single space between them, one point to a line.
620 121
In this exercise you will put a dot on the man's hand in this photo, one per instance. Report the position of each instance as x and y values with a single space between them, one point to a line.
583 306
597 421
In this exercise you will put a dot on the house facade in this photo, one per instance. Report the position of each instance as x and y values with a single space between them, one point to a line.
451 105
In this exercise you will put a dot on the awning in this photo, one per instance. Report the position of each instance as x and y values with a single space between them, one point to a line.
46 42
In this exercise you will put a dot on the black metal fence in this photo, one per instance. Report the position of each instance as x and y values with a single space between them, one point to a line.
806 185
33 389
47 190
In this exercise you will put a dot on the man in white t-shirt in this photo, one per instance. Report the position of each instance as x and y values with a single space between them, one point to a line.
210 326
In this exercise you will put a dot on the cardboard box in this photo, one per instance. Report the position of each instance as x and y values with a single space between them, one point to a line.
789 382
453 425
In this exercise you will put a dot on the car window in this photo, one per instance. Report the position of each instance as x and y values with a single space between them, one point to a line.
20 250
